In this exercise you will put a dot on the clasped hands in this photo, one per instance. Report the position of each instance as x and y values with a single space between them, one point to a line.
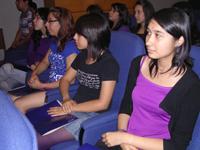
66 108
35 83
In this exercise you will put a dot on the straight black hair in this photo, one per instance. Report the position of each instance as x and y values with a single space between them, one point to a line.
148 10
187 7
95 28
124 17
37 35
176 23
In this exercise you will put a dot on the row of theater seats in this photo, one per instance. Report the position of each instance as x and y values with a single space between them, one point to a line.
16 130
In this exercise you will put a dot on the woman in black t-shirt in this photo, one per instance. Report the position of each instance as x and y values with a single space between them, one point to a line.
97 72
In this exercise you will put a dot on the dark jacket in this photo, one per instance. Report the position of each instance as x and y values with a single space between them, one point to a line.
182 103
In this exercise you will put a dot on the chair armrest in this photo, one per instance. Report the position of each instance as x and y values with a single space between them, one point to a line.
96 126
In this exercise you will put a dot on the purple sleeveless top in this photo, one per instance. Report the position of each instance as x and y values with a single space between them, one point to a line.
147 118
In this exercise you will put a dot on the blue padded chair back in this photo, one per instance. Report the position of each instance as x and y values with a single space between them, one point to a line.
195 54
124 47
16 133
195 142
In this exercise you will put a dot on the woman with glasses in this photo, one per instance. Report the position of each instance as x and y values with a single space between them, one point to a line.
10 76
61 53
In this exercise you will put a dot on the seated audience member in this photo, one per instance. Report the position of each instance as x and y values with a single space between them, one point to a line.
40 41
187 7
161 101
20 44
38 47
97 72
94 9
33 7
143 12
119 17
58 59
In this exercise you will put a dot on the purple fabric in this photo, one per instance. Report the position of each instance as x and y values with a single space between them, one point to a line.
37 55
124 28
147 118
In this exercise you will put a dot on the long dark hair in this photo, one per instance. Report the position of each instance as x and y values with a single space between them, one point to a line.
124 17
148 12
37 35
187 7
176 23
66 21
95 28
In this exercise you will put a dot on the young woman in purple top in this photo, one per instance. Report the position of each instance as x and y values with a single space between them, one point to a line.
161 101
58 59
11 74
40 40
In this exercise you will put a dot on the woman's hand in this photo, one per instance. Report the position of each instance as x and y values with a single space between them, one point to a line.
114 138
66 108
56 111
35 83
33 78
33 67
68 105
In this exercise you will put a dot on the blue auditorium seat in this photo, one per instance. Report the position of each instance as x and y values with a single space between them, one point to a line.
16 133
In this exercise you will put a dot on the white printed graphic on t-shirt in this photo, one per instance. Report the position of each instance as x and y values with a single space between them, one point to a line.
88 80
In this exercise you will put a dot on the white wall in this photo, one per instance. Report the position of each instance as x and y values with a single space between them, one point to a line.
9 16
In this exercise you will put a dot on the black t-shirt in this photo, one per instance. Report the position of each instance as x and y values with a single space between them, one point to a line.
90 76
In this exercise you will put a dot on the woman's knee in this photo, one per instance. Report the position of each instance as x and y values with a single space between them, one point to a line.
30 101
21 106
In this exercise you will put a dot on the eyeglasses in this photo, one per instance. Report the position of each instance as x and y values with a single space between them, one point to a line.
51 21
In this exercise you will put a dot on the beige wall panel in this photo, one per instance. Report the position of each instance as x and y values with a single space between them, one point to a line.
78 7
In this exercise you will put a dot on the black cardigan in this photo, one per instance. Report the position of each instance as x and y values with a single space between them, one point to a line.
182 103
